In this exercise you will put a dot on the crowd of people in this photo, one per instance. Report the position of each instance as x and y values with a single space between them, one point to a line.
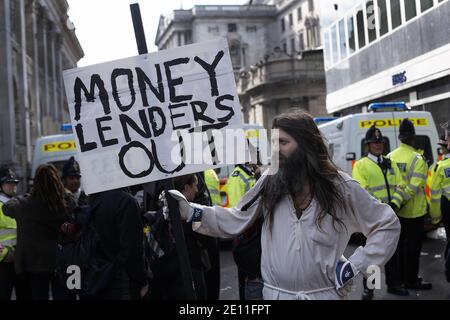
296 221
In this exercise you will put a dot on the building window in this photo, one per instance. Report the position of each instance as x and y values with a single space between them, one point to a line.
371 26
327 49
311 5
396 14
232 27
334 45
284 47
235 53
244 56
252 28
410 10
291 20
283 26
384 26
361 29
425 4
213 29
293 49
301 41
342 40
299 14
351 34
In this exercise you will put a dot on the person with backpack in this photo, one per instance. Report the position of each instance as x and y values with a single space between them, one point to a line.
310 210
117 220
39 216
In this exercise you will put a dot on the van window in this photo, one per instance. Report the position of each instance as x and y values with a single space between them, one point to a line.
387 147
423 143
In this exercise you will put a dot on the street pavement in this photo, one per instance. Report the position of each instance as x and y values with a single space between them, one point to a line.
431 269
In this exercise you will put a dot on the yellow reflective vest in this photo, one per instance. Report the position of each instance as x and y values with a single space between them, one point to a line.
414 170
213 184
8 234
439 187
370 176
238 184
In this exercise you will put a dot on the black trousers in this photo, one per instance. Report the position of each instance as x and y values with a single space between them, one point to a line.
9 281
392 269
212 276
36 286
410 246
445 210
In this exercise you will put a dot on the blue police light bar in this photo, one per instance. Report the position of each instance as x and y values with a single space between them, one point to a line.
379 106
320 120
66 127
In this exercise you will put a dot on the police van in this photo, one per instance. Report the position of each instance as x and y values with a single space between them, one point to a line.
54 149
345 136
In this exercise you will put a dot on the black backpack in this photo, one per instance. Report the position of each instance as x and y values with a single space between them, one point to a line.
84 250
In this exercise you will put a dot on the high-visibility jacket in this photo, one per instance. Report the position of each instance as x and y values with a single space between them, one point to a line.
371 177
439 187
213 184
431 172
239 183
8 228
414 170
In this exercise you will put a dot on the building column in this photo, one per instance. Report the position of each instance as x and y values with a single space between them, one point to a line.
43 58
33 10
7 117
25 102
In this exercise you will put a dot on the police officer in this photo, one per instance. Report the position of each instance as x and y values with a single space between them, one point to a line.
383 180
213 184
414 170
242 179
71 178
8 236
440 188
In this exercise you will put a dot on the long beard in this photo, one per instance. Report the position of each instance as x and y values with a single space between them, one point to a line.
290 178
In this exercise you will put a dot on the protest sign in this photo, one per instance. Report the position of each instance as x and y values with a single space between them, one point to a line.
146 118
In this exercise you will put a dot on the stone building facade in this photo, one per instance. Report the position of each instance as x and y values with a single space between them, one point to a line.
38 42
275 48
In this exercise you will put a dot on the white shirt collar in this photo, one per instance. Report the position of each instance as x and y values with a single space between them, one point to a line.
372 157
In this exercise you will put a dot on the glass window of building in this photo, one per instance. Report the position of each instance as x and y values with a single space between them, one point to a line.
384 26
410 9
293 49
351 34
396 14
283 26
311 5
299 13
284 47
232 27
361 29
301 41
425 4
326 44
334 45
342 40
371 25
291 20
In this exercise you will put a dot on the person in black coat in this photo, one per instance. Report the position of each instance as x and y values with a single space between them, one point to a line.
39 217
117 219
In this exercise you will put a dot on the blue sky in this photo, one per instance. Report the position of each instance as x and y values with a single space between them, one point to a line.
105 29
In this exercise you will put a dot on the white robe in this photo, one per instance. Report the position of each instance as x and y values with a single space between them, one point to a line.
297 257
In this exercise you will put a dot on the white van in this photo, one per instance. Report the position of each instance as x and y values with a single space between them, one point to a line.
345 136
54 149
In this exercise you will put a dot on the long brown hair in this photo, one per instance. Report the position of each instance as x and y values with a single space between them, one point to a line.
311 164
48 188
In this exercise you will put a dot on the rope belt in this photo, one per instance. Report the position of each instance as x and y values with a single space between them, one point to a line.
300 295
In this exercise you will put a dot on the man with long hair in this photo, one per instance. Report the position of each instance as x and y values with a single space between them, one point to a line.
310 210
39 216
